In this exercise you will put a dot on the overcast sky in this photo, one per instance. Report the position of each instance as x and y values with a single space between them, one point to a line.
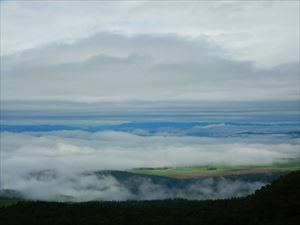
151 51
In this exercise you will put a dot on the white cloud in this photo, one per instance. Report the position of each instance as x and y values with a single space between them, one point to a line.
82 151
264 32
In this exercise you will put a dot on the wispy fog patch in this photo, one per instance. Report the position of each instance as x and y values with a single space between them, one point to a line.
42 185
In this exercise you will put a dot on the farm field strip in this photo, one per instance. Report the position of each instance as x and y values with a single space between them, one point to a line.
218 170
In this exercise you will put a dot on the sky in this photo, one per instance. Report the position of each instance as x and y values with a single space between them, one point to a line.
100 51
114 85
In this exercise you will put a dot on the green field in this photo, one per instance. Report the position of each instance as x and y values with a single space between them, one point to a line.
219 169
8 202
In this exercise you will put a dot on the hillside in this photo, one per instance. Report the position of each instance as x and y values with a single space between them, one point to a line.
274 204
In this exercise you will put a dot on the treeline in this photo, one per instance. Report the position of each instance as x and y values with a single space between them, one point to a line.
275 204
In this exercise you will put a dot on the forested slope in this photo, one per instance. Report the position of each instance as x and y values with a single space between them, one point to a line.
276 204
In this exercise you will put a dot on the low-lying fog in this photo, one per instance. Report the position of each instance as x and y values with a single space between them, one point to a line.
59 165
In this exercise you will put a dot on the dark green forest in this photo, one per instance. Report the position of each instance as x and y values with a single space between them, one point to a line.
274 204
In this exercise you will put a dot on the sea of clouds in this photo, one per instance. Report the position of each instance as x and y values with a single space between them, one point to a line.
70 155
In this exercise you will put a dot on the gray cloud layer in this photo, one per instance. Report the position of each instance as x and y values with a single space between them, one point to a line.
111 67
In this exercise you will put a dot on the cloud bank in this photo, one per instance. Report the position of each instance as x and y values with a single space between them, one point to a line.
82 151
